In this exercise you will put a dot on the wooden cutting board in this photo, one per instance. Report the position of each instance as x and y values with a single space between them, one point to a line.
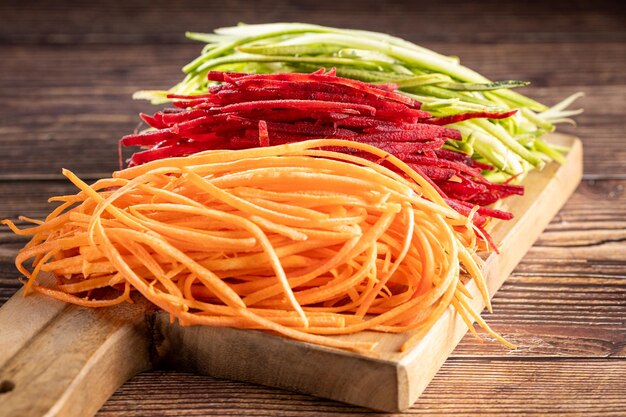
63 360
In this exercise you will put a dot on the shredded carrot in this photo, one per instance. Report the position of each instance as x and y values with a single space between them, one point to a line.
294 239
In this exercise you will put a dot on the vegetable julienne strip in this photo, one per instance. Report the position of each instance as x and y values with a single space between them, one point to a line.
389 263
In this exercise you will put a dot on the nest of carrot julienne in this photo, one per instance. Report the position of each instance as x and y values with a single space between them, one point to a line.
302 239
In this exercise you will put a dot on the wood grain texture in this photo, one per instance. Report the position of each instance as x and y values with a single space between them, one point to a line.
63 360
83 104
136 21
463 387
65 77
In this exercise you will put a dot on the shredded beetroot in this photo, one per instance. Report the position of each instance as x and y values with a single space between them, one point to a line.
251 110
264 138
466 116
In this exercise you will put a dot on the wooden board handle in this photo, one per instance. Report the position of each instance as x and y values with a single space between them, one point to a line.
62 360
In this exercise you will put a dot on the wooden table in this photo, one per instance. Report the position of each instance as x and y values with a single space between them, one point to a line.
66 76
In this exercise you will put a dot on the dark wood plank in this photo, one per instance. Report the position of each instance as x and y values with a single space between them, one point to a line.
553 315
136 21
111 69
75 115
582 237
463 387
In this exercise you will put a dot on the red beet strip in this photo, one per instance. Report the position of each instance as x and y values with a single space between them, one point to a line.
250 110
455 118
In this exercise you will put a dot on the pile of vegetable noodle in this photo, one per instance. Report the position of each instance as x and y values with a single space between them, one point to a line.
293 239
513 146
